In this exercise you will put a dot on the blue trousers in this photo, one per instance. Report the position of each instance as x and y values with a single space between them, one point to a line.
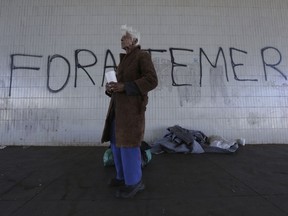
127 161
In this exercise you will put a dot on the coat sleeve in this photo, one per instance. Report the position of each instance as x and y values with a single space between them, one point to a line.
148 79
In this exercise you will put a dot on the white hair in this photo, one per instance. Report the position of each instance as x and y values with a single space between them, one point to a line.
133 32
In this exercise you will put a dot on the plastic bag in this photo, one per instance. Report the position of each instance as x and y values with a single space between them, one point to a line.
146 155
108 159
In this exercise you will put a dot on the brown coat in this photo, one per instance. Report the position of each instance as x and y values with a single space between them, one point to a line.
130 110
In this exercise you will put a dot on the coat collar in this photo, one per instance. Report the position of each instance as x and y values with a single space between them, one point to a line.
123 55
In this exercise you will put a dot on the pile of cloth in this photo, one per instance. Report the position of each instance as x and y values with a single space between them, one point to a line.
181 140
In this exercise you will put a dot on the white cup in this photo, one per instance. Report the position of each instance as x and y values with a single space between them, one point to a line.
111 76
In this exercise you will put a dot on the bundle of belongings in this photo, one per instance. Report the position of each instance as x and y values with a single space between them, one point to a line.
181 140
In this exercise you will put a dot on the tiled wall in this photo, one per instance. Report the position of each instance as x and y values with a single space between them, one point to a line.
250 37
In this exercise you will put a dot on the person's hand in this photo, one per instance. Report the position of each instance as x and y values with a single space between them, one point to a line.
108 88
115 87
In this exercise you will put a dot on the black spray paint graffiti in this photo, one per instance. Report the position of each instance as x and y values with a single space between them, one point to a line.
271 65
174 64
50 59
13 67
78 65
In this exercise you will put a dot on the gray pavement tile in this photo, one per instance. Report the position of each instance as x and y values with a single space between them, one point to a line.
8 207
280 200
221 206
224 206
36 172
265 170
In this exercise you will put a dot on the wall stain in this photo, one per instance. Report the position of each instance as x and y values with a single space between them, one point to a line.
32 120
217 83
253 119
190 93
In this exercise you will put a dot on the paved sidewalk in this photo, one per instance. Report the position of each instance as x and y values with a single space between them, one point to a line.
72 181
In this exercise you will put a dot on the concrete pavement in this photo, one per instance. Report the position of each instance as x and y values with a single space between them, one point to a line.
72 181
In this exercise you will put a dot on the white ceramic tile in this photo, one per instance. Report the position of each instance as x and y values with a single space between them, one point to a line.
233 109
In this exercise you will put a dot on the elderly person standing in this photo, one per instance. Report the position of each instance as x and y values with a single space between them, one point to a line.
125 121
